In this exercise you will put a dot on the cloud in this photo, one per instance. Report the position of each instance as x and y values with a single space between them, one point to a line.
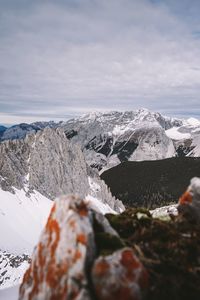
60 58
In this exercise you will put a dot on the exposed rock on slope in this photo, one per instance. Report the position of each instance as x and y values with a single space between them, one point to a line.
12 268
110 138
48 163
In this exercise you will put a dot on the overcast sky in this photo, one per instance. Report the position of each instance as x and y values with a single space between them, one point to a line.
60 58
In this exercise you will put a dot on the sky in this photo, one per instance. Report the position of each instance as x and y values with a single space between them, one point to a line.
63 58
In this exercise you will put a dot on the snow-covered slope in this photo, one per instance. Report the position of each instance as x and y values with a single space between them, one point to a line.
186 138
21 218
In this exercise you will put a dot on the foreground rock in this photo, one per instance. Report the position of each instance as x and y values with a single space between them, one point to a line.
119 276
65 250
131 256
189 203
62 261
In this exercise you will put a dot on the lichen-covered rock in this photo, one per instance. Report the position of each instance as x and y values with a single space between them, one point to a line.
189 202
65 265
63 255
119 276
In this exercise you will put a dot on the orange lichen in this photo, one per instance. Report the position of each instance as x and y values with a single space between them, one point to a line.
186 198
51 214
55 272
26 279
81 238
53 227
77 256
82 209
36 282
132 266
101 268
72 224
129 261
41 257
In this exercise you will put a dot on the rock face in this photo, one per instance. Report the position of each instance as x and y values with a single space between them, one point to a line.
62 261
50 164
110 138
46 161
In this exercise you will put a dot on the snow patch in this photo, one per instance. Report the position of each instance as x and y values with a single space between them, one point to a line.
174 134
98 206
193 122
22 218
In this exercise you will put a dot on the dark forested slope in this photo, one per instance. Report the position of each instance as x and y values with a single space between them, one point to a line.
151 183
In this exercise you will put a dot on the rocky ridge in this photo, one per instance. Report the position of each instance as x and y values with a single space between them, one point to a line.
48 163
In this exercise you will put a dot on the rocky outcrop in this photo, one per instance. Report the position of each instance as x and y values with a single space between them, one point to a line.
45 161
189 202
65 251
63 259
50 164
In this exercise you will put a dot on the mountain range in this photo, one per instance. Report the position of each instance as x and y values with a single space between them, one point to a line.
42 160
107 139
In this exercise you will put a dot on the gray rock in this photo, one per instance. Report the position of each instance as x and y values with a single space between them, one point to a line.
48 162
110 138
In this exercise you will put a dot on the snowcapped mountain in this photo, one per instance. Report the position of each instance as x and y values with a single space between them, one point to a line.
110 138
186 138
33 172
21 130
